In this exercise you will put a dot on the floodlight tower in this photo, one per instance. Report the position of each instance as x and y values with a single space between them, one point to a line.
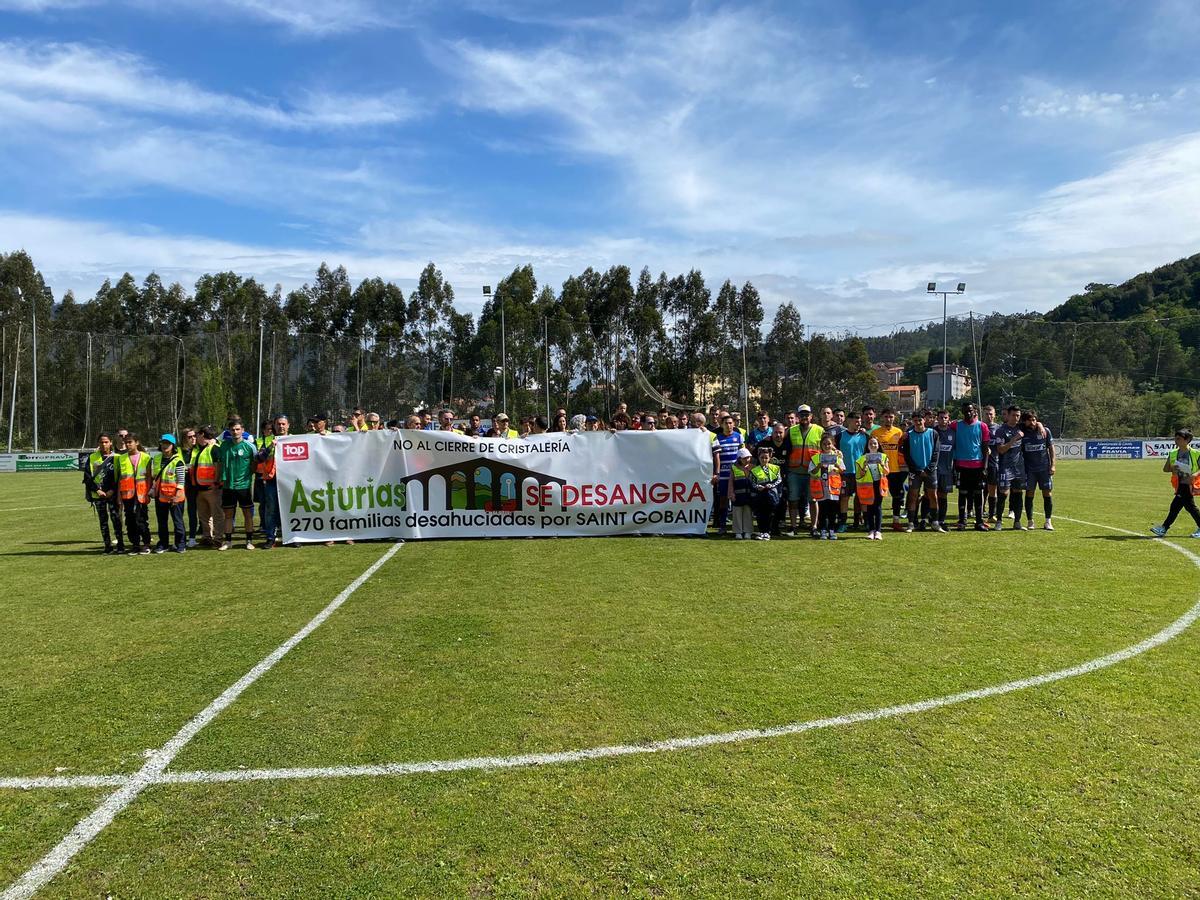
931 288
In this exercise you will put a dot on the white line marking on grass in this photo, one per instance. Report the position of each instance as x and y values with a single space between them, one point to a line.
32 508
151 773
64 781
142 779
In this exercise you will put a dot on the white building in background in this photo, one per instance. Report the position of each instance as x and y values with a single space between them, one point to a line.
957 379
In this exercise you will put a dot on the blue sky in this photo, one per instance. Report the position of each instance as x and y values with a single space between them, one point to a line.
838 154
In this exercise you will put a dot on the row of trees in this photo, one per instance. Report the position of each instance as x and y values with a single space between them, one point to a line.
1116 359
152 352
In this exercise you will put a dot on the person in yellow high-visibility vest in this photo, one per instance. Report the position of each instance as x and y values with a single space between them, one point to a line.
1183 465
170 478
101 484
132 470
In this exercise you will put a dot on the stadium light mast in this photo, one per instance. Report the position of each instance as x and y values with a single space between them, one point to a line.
931 288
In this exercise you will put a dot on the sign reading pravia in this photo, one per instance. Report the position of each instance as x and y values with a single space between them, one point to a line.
428 484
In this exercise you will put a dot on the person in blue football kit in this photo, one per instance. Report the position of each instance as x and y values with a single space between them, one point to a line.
1007 440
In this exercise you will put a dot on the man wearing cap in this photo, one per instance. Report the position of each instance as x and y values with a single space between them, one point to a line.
803 443
168 490
317 423
500 428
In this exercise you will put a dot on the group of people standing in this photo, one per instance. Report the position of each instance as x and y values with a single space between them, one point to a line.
208 475
796 475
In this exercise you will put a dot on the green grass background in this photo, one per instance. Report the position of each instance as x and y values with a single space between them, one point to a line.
469 648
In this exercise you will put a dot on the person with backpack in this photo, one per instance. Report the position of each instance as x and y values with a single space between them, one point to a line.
100 485
1183 465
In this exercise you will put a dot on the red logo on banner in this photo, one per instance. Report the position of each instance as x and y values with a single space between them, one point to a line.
295 452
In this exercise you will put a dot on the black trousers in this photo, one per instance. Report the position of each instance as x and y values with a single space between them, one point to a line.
106 511
1182 500
137 523
191 493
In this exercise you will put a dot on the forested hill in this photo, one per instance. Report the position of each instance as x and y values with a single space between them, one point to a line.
1169 291
1114 360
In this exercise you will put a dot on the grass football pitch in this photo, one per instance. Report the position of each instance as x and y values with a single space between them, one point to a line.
452 650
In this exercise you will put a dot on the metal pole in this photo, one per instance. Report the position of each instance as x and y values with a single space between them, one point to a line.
87 401
503 358
3 362
745 381
258 396
975 356
1062 421
33 306
12 408
546 341
945 374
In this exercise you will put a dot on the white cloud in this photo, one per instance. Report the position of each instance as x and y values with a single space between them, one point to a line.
1047 102
75 73
1148 198
731 122
300 17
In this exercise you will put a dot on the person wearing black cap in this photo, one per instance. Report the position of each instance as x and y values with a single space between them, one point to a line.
170 476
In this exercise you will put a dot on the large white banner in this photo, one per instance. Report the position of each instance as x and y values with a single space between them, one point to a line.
429 484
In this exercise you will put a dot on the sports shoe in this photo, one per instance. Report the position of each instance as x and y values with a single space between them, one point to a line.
999 526
909 528
1158 531
833 535
1016 526
158 550
904 513
269 545
841 529
176 550
981 526
960 526
1196 533
938 527
225 545
739 537
1048 526
350 543
250 545
145 551
191 544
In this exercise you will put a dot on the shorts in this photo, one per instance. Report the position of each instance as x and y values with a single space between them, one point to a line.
970 480
993 474
1009 480
849 485
239 497
1035 480
798 487
921 481
945 481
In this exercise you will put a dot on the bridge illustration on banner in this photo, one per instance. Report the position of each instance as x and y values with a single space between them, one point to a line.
500 490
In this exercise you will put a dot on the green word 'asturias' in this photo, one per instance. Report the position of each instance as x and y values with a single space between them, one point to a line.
329 498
